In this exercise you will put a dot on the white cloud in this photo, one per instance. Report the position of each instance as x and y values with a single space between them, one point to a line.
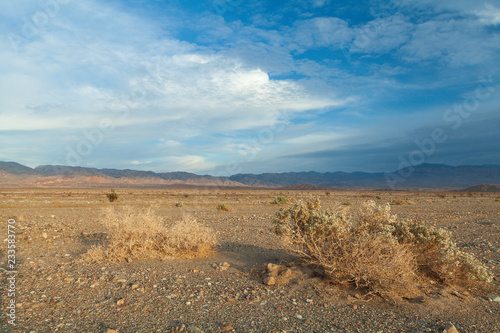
455 42
321 32
489 15
382 35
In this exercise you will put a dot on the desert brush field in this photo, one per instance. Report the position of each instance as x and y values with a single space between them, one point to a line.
224 260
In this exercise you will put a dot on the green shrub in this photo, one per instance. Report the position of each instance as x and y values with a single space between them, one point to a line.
347 203
376 250
179 204
280 200
112 196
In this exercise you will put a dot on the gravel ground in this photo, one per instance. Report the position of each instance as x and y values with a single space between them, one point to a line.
57 293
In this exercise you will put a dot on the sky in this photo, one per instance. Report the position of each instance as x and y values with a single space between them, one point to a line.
233 86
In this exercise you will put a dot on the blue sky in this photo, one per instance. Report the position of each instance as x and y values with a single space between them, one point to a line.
230 86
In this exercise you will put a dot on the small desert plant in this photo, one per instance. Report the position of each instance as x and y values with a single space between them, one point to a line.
441 195
179 204
497 199
327 193
143 234
112 196
376 250
347 203
280 200
224 208
399 202
186 195
378 197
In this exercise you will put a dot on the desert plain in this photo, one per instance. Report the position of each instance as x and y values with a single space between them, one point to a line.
224 292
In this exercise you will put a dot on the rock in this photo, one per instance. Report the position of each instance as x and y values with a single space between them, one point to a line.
299 317
494 298
111 331
128 260
135 286
355 307
188 303
227 328
271 268
44 235
270 281
120 302
449 328
194 329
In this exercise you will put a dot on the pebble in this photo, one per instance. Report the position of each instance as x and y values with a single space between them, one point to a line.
449 328
120 302
299 317
111 331
44 235
494 299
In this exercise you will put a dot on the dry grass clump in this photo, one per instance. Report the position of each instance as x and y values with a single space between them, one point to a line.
375 250
224 208
280 200
143 234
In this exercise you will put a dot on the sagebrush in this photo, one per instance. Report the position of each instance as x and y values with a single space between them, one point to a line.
374 250
280 200
143 234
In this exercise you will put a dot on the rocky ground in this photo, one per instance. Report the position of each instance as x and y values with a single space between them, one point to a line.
226 292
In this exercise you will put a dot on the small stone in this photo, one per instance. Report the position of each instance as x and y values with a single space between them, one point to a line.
128 260
111 331
355 307
299 317
449 328
271 268
135 286
494 299
195 271
194 329
44 235
120 302
225 264
309 300
227 328
188 303
270 281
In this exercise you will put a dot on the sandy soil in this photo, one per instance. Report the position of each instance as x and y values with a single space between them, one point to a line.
56 293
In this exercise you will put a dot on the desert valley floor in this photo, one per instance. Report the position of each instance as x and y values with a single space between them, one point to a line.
55 292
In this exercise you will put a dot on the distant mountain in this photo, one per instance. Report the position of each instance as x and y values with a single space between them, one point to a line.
16 168
483 188
421 176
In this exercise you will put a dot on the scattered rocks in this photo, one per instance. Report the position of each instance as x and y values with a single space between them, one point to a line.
493 298
277 275
449 328
221 267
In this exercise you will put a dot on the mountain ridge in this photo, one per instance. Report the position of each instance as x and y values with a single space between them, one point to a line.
421 176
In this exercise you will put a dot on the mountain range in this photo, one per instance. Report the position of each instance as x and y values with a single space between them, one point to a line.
425 175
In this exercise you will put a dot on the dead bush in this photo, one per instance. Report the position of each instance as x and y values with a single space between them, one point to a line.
374 249
137 234
224 208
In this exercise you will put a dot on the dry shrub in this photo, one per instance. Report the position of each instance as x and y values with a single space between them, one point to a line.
280 200
374 250
143 234
224 208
